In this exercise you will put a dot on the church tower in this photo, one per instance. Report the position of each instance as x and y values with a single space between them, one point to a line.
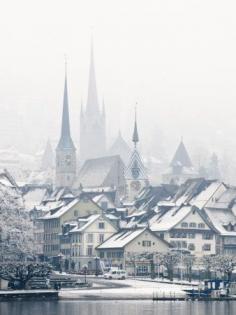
65 151
92 121
135 175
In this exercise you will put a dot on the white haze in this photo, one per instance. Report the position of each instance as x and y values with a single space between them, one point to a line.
175 58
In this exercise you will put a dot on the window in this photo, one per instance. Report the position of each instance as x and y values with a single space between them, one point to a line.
184 224
191 246
101 238
90 238
90 250
101 225
101 255
142 269
207 236
104 205
192 225
146 243
173 244
206 247
191 235
75 213
201 225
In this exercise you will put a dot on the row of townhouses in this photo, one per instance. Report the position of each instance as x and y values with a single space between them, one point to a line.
198 217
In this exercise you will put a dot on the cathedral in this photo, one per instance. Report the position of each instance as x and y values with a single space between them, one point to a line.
92 121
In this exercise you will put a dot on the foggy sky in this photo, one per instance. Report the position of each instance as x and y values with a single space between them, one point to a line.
175 58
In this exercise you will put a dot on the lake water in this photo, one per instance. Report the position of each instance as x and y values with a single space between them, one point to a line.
117 308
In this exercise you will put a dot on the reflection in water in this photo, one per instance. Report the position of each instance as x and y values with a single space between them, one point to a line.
117 308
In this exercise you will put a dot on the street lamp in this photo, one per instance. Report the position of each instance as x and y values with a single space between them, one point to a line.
60 258
85 269
96 266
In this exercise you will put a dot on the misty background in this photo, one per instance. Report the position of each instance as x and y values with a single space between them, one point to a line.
176 59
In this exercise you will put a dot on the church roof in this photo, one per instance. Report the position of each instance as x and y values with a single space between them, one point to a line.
94 172
65 141
120 147
181 157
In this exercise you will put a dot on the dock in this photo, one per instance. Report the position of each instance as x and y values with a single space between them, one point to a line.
28 295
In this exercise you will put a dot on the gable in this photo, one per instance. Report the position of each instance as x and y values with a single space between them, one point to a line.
84 207
192 217
157 244
108 226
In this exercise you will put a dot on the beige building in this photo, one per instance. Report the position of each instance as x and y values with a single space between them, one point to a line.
56 217
186 229
120 249
79 242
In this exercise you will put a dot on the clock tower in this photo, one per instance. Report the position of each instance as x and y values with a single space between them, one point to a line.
136 174
65 151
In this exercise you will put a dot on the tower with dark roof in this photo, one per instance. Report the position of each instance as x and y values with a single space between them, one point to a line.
180 168
136 173
65 151
92 121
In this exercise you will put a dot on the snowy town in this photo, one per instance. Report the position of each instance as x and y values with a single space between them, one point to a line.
117 157
87 216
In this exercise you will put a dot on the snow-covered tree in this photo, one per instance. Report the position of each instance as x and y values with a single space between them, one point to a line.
208 263
169 261
16 229
225 264
188 261
18 274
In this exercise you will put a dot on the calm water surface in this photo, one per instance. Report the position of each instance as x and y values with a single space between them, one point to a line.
117 308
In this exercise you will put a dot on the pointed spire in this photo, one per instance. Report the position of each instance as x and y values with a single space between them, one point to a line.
135 138
65 140
92 100
181 157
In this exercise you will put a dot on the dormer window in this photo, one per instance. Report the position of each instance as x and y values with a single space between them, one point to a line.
201 225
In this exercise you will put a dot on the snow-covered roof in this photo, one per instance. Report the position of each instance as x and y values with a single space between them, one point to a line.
83 223
62 210
224 200
6 179
220 218
121 239
207 194
34 197
170 219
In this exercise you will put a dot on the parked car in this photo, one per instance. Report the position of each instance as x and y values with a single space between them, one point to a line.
116 274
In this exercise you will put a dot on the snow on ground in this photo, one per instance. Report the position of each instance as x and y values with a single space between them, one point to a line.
136 290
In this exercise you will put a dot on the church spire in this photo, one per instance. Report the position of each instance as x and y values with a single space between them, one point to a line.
65 139
92 107
135 138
